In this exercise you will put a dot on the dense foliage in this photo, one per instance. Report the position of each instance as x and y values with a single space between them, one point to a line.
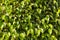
29 20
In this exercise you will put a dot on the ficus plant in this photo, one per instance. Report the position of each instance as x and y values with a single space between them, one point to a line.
29 20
